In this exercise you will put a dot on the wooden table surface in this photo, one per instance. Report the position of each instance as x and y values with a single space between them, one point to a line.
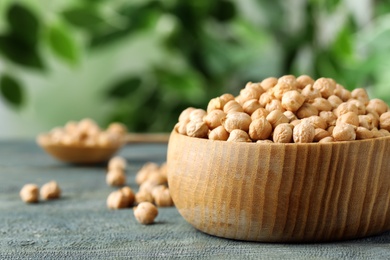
79 225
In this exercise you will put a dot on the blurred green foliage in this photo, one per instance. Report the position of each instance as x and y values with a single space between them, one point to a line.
209 48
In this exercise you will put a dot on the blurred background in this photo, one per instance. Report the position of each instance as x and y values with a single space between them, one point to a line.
141 62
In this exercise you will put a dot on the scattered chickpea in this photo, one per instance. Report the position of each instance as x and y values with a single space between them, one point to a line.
143 174
117 200
129 196
145 213
162 197
143 196
117 162
29 193
50 190
115 177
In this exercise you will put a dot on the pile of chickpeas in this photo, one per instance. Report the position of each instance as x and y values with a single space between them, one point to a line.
153 189
289 109
85 133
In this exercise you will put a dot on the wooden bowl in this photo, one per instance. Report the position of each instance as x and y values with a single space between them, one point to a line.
281 192
78 154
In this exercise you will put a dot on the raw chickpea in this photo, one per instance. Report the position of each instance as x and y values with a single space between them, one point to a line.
145 171
377 105
50 190
265 98
295 122
238 135
237 120
306 110
197 129
117 200
269 83
185 115
251 106
143 196
162 197
290 80
281 88
226 98
197 115
334 101
290 115
361 95
276 117
317 122
330 129
342 93
275 105
117 128
376 133
326 86
384 132
374 118
181 127
251 92
303 132
365 121
292 100
260 129
117 162
320 134
328 139
344 132
29 193
329 117
219 133
215 104
384 121
345 108
259 113
349 118
145 213
283 133
232 106
310 93
360 106
266 141
363 133
148 186
214 118
321 104
304 80
128 195
164 170
115 177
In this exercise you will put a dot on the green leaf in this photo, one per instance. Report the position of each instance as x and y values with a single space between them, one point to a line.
63 44
20 52
24 24
124 87
83 17
11 90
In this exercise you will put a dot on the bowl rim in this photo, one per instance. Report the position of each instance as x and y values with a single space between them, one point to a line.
383 138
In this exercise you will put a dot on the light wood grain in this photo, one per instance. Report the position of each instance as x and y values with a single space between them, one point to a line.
281 192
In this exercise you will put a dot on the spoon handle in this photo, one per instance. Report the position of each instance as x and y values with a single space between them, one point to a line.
147 138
